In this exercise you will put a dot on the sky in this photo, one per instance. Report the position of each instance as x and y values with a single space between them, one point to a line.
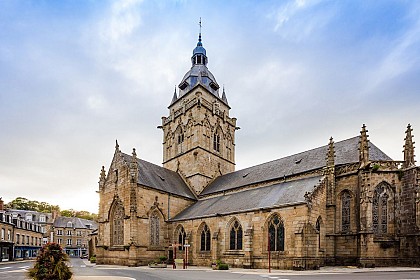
77 75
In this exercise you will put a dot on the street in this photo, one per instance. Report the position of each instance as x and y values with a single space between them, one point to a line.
83 270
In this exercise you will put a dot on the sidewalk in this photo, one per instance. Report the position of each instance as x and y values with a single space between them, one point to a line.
322 270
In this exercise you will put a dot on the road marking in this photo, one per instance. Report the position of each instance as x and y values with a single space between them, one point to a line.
6 267
83 265
273 277
24 266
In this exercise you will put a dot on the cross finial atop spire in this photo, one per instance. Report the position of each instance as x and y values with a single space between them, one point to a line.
199 34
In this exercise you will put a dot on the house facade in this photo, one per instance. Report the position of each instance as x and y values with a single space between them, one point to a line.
20 238
73 234
345 203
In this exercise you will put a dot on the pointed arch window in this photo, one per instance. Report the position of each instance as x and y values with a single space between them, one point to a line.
345 211
318 228
380 210
205 239
182 236
276 234
117 224
235 240
180 137
154 229
216 141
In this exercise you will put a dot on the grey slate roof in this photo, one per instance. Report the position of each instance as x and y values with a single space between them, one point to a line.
160 178
286 193
61 222
346 151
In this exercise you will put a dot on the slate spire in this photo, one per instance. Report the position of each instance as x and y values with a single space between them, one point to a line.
175 97
224 96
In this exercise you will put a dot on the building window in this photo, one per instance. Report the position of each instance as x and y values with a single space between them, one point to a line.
59 232
42 219
154 229
79 242
69 232
28 217
276 234
180 137
3 233
27 240
205 239
9 235
68 241
182 236
79 233
345 211
236 236
60 241
117 224
318 228
380 210
216 141
69 224
17 238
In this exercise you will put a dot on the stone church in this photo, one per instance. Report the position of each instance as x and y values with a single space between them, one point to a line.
346 203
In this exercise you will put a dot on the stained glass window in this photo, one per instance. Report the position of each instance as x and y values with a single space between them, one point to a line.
117 224
205 239
276 234
154 229
318 228
216 141
181 238
345 212
236 236
380 210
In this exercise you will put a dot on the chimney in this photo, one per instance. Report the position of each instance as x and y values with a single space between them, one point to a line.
1 204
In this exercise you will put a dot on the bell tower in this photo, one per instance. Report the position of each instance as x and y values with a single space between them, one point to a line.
199 134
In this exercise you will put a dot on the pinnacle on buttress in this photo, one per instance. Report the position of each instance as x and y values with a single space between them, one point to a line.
117 147
364 146
330 153
409 148
134 154
103 174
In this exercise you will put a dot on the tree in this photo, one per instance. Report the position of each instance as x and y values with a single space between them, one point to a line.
22 203
51 264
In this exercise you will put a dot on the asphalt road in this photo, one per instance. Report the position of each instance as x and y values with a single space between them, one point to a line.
82 271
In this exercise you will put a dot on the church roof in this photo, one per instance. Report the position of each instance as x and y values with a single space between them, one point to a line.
160 178
346 151
281 194
62 222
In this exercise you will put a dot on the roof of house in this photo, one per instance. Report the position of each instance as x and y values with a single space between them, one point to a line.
276 195
346 151
160 178
62 222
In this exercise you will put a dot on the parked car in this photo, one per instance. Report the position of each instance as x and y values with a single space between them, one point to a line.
84 256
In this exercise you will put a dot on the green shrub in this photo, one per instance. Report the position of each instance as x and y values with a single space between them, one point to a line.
223 266
51 264
93 259
163 259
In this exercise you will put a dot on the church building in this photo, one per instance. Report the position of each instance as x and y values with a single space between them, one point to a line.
345 203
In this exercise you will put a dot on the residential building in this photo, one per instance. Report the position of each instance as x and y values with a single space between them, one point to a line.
73 234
